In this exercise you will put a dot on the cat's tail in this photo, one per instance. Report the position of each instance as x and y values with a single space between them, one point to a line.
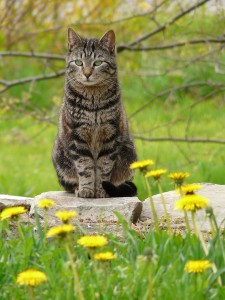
126 189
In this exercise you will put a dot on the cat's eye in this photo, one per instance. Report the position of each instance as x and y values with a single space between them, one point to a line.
78 62
98 63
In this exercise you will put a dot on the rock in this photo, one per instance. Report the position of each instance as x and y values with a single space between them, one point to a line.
8 200
97 215
91 212
213 192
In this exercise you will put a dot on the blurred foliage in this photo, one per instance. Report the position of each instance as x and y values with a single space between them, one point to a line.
171 66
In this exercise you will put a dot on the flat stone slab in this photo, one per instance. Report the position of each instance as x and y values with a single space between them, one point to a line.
99 213
7 200
213 192
90 211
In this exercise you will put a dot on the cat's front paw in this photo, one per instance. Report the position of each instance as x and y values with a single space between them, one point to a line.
85 193
100 193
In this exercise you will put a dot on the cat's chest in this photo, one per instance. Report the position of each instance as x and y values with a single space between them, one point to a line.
96 136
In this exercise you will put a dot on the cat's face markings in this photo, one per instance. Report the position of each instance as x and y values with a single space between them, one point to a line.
91 61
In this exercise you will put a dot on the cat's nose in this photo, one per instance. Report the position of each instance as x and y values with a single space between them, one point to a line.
87 71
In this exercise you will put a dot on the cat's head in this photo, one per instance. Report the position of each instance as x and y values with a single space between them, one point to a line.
91 62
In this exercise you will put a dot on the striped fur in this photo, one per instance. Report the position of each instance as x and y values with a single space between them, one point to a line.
93 144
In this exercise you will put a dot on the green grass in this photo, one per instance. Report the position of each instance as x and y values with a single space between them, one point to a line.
27 168
26 142
27 136
147 266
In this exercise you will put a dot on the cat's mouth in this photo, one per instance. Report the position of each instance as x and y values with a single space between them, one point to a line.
88 82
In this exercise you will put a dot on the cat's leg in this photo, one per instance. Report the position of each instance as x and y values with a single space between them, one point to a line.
86 175
65 168
121 171
69 184
104 168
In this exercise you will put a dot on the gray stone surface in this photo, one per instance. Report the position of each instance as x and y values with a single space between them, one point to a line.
91 211
99 213
8 200
213 192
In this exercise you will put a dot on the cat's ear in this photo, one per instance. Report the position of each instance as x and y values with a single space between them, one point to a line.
73 39
109 39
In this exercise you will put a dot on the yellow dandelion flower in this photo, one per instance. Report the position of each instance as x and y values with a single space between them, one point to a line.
178 177
191 202
45 203
31 277
104 255
92 241
11 212
197 266
189 189
156 174
65 215
61 231
142 165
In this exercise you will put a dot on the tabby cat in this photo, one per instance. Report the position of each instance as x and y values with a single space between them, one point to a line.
93 149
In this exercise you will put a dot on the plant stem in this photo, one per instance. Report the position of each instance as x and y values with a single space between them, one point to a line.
212 227
150 288
45 220
215 222
199 235
77 287
91 253
45 224
187 221
155 218
164 207
31 292
185 212
20 229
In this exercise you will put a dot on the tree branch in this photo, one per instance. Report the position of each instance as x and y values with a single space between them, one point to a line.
182 140
33 55
163 27
220 40
9 84
174 89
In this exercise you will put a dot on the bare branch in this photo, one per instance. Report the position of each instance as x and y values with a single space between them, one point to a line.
49 56
174 89
9 84
163 27
219 40
181 140
33 55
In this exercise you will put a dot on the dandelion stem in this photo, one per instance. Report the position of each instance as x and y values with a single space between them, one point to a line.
215 222
91 253
150 288
77 287
215 229
199 235
187 221
164 207
45 224
212 227
155 218
45 220
20 230
185 212
31 292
